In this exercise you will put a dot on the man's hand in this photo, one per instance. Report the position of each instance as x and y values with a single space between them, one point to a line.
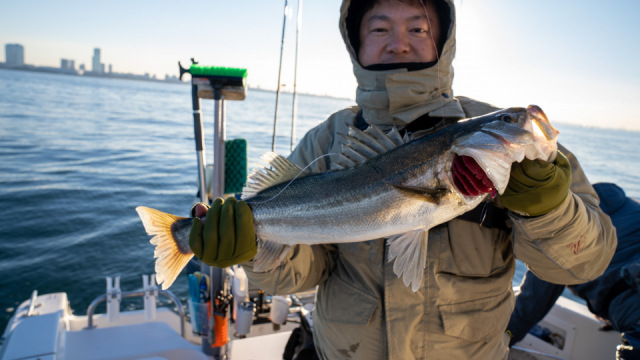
536 187
226 236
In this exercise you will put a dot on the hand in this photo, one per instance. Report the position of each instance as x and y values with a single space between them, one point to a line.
537 187
226 236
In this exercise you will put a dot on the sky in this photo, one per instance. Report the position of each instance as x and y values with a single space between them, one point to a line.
575 59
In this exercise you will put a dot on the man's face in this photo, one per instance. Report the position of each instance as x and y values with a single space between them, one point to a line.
396 32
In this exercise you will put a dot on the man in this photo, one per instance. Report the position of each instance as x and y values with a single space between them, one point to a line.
402 59
614 296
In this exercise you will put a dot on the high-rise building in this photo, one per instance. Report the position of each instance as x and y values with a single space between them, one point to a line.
72 64
14 54
96 66
64 63
110 69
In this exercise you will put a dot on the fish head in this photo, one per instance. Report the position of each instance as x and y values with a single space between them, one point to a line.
482 155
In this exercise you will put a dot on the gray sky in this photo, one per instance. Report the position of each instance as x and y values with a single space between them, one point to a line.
575 59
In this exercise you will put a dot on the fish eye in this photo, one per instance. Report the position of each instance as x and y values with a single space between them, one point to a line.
507 118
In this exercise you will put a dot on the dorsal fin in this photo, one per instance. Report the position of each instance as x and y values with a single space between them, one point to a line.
281 170
362 146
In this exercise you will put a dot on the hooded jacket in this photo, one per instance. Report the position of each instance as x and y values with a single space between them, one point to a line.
461 311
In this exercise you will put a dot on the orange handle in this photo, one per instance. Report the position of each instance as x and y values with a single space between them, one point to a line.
222 330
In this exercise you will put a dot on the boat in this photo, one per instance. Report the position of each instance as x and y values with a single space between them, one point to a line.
44 327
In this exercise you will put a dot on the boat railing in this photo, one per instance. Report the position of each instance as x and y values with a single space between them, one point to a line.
131 294
32 303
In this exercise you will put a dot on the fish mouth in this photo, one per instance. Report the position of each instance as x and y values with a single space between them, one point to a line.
469 178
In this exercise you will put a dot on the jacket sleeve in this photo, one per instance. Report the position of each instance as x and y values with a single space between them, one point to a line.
305 266
572 244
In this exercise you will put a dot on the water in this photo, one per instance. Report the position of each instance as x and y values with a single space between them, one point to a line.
77 155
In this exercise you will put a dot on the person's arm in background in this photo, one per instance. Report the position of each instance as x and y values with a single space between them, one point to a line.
574 242
534 300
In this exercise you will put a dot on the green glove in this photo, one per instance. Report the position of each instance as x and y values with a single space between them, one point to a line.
227 237
536 187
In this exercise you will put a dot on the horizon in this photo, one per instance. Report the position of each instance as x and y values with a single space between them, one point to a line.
573 59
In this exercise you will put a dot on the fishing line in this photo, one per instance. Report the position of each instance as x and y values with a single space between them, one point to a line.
435 47
292 180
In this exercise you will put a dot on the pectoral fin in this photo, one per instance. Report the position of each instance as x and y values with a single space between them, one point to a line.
410 253
270 255
430 195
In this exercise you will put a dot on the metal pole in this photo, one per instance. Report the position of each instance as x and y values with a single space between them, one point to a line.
275 117
199 136
32 303
295 77
217 185
219 136
222 149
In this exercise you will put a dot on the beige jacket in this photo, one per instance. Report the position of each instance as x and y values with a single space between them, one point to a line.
363 311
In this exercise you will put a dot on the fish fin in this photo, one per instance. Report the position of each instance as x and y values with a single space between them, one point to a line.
410 253
362 146
430 195
281 170
270 255
171 256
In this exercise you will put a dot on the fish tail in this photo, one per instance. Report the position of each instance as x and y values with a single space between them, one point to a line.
172 256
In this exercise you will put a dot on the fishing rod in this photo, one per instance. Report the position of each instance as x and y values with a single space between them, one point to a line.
275 117
295 76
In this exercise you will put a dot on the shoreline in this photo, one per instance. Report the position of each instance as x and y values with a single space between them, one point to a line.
58 71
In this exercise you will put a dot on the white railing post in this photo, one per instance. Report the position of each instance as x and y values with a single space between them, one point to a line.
150 296
114 297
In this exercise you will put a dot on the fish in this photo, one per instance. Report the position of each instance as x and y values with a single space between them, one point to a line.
384 186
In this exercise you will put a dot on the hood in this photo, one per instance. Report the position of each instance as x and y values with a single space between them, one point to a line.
397 97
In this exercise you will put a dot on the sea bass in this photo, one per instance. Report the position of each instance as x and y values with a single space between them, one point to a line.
386 186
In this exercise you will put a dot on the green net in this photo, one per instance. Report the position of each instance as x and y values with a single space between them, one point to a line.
235 165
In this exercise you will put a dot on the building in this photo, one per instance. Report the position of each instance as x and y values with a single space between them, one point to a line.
14 55
68 65
97 67
110 69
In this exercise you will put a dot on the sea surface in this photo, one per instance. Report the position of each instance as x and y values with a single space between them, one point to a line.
78 154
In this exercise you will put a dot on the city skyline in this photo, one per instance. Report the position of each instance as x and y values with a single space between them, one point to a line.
14 59
574 59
